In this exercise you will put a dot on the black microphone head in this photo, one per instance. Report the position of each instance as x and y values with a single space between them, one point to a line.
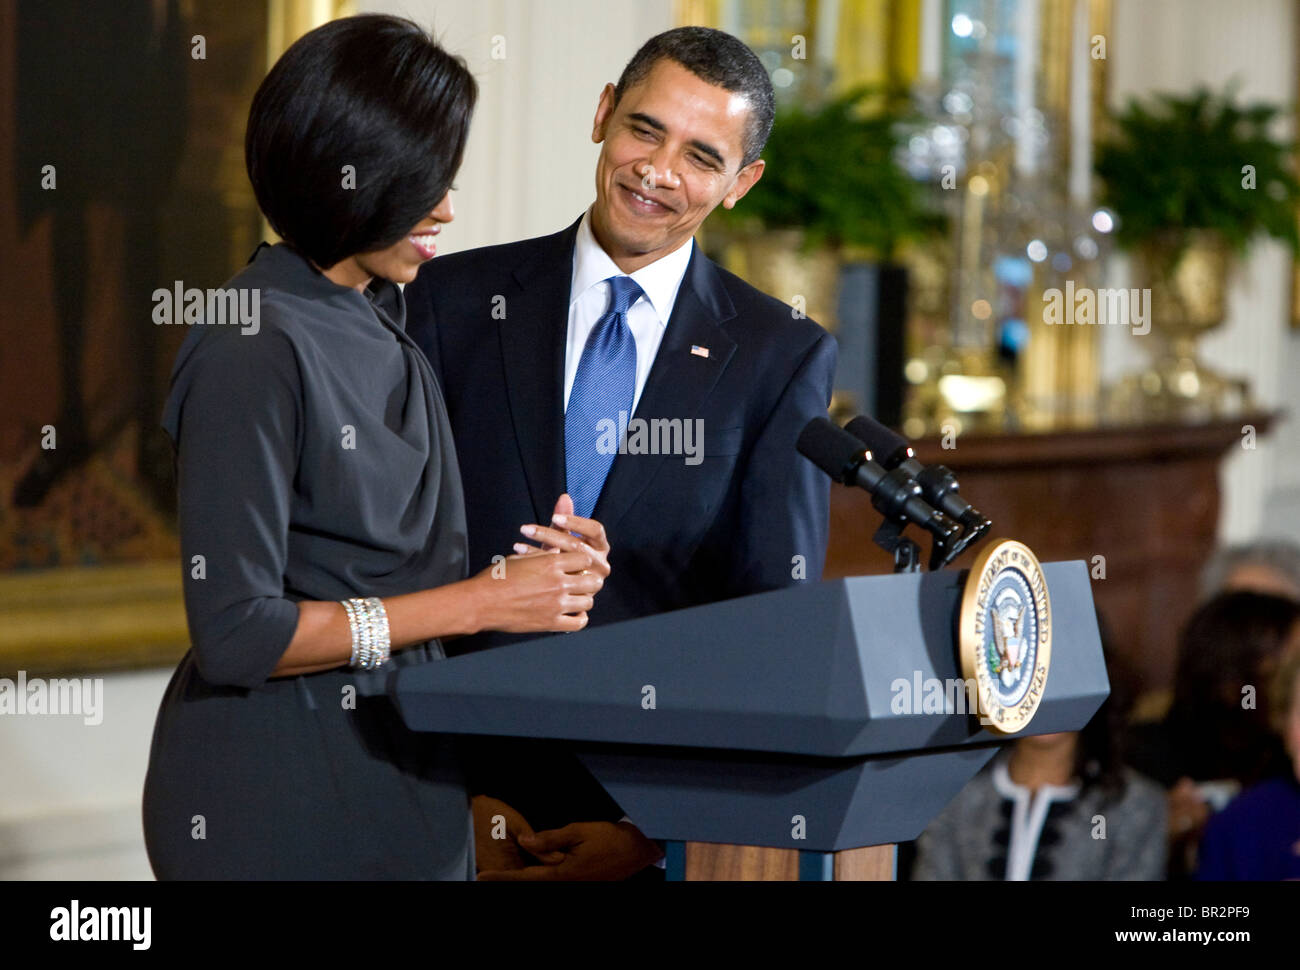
831 448
887 445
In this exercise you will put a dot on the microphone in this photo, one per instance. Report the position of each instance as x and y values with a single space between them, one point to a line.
893 493
938 483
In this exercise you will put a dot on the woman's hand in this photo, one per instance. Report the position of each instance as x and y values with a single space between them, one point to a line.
1188 811
497 831
581 851
539 591
575 534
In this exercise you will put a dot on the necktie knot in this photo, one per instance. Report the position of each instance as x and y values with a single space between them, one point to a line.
623 292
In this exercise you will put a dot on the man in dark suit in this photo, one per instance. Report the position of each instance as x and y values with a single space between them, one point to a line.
571 363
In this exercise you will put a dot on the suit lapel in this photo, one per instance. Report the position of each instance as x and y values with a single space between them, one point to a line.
533 337
679 381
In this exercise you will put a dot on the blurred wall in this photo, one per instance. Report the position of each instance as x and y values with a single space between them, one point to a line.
530 165
70 792
1176 45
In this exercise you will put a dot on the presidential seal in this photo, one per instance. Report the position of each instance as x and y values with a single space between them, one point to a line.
1005 635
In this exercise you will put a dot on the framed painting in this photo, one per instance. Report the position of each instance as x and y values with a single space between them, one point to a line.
121 171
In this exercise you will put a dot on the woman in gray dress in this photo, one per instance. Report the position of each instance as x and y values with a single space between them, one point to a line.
321 514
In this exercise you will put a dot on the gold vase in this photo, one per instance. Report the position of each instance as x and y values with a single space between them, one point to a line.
1184 275
777 262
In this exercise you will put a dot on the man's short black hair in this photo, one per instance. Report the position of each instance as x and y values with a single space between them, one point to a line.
373 92
717 57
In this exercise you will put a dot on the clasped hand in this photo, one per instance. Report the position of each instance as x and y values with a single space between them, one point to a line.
551 586
576 534
509 850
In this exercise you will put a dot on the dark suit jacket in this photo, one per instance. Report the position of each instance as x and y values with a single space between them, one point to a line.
493 322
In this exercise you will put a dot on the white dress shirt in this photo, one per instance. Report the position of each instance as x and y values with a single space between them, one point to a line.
1028 814
589 299
647 318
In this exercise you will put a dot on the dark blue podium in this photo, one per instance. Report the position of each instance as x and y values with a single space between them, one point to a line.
820 718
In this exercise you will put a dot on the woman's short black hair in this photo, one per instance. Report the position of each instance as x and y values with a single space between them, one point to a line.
1228 642
1232 641
372 92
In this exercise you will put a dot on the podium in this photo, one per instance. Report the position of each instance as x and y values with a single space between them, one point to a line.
818 719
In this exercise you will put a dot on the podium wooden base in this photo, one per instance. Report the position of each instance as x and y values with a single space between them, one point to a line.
710 862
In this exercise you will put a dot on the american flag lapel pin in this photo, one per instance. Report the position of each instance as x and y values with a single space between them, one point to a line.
699 351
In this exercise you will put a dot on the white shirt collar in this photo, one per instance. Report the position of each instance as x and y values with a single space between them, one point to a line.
659 280
1009 789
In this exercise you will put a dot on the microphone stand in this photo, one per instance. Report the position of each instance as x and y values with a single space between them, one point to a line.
906 552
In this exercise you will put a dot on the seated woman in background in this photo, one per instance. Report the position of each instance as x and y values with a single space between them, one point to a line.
1216 738
1053 806
1258 835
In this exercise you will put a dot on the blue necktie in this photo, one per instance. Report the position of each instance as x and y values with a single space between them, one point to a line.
602 387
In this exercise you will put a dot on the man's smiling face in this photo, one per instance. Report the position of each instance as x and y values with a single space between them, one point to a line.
671 151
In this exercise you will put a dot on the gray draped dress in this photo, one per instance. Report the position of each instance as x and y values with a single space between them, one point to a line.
314 462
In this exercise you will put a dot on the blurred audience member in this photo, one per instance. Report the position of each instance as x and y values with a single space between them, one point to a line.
1054 806
1216 738
1261 567
1258 835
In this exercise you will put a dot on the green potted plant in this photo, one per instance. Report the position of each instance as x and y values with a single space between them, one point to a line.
1193 179
834 201
831 174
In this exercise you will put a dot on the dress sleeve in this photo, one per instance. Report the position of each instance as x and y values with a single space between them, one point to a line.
235 415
